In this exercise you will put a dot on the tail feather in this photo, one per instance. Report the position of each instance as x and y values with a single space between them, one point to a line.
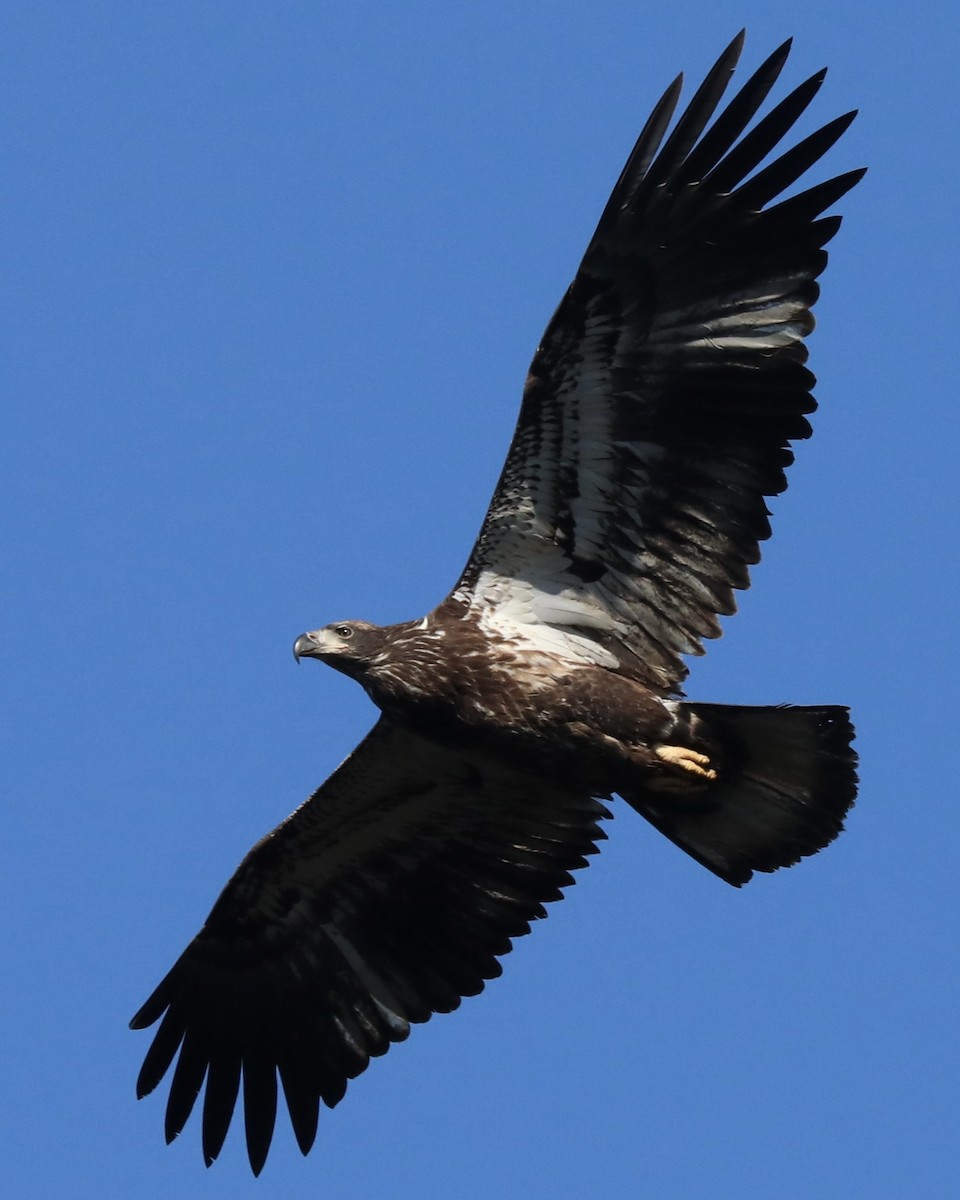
787 777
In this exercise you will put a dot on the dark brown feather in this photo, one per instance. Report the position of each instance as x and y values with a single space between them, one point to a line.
660 405
384 899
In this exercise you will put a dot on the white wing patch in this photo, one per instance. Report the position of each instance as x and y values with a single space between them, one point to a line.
539 617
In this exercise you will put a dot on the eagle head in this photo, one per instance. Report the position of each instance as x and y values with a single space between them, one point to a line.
350 646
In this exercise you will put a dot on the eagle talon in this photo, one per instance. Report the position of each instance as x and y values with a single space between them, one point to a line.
686 761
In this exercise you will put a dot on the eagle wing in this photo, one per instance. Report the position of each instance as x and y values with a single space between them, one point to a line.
386 897
659 407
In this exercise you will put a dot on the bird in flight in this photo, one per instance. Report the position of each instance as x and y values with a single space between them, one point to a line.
656 418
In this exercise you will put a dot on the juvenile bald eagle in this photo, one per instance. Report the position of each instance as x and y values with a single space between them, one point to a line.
656 417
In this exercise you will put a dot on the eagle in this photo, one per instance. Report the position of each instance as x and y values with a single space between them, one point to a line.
656 418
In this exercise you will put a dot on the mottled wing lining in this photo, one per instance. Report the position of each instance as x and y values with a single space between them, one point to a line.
385 898
659 407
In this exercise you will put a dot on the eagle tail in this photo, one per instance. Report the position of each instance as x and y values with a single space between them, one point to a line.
786 778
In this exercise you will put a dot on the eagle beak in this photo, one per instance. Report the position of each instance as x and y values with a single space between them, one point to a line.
306 647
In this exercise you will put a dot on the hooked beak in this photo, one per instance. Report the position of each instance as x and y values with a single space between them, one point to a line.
306 646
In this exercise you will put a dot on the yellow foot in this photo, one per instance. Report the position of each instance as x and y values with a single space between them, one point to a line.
693 769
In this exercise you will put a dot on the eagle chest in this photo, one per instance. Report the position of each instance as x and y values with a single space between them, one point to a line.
452 674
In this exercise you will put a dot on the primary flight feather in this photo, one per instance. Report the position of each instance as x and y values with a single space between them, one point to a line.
656 418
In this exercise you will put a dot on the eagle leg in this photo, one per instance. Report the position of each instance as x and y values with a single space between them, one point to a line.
693 770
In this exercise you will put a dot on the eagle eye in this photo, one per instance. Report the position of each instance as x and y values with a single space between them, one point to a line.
344 632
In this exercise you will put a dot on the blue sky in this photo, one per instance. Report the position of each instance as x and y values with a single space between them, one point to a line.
272 277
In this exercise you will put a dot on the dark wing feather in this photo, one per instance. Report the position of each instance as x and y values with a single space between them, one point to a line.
387 897
660 405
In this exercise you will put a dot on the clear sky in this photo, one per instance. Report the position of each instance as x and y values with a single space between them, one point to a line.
272 274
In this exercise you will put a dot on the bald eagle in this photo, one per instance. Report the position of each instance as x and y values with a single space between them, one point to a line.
657 416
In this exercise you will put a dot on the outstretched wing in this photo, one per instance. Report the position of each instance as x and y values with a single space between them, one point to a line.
659 407
385 898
